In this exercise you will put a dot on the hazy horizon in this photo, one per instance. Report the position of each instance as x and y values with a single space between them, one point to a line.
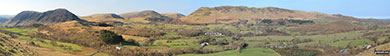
361 8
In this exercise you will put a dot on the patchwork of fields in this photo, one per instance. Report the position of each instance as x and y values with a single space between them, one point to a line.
257 45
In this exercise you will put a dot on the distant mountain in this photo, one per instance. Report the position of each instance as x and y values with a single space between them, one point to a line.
384 19
173 15
49 17
4 18
146 13
235 13
108 17
145 16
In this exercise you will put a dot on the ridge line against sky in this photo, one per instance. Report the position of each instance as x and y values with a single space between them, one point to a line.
356 8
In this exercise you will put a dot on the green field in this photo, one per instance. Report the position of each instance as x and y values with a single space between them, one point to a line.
244 52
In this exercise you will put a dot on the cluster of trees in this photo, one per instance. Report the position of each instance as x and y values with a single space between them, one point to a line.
300 21
154 19
284 21
110 37
101 24
297 41
327 28
161 19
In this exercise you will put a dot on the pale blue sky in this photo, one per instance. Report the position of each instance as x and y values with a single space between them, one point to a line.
356 8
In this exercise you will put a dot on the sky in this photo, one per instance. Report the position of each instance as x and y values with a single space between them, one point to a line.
356 8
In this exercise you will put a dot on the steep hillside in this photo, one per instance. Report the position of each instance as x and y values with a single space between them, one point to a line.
173 15
145 16
49 17
234 13
109 17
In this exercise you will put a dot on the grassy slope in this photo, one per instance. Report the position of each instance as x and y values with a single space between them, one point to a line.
244 52
59 46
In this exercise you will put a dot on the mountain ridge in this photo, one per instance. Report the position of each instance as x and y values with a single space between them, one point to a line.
235 13
49 17
103 17
145 16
